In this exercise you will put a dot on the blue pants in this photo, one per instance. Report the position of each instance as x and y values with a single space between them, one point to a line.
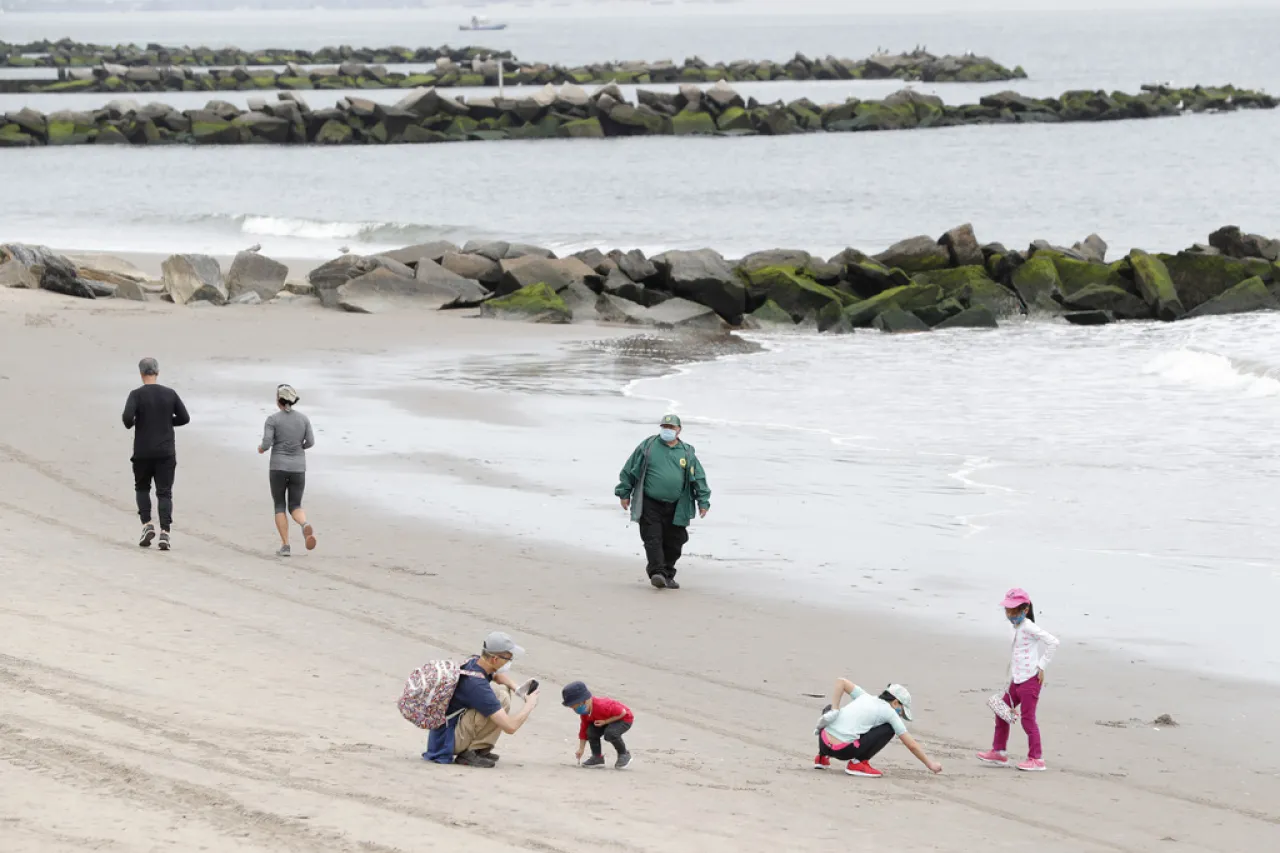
440 743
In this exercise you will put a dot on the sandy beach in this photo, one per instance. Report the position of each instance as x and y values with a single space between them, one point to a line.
216 698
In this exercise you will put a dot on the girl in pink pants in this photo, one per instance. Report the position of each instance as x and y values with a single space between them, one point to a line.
1032 649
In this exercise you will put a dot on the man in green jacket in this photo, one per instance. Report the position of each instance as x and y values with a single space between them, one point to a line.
661 484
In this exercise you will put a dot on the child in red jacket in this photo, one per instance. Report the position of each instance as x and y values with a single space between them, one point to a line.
602 719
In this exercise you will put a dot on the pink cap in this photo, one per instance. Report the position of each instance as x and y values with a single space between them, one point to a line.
1016 597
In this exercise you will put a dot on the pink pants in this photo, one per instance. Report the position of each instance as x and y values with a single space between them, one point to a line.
1026 695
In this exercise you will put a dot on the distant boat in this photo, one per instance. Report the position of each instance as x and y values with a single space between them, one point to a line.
481 24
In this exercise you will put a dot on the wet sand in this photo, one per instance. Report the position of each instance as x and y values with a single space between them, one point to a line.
215 697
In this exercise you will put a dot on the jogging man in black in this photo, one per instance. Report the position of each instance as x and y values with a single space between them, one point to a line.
152 411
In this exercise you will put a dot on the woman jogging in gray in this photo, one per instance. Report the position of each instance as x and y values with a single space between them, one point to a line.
288 436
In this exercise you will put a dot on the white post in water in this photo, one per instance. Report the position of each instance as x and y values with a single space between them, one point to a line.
500 69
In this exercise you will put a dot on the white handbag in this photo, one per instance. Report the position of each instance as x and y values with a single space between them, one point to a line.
996 701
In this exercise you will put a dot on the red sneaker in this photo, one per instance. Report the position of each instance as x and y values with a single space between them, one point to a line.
862 768
822 762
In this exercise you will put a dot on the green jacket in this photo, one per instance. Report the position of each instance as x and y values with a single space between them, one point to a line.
631 483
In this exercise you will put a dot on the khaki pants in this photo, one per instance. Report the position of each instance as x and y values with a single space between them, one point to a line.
479 732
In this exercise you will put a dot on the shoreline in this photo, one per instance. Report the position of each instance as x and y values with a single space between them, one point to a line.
269 688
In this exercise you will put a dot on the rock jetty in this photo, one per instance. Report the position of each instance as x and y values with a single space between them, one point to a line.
425 115
90 67
918 284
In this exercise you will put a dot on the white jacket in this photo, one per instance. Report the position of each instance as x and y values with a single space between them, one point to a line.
1033 648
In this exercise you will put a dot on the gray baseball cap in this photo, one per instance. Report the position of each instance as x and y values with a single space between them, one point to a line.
498 642
149 367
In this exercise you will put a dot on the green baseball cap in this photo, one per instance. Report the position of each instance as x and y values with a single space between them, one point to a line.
670 420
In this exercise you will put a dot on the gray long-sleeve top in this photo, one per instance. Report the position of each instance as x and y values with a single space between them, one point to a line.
287 434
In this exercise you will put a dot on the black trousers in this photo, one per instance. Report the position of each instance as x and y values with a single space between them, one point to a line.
867 746
663 539
612 733
161 471
286 490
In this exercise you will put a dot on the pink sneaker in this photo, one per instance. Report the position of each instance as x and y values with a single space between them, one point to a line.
995 757
1032 764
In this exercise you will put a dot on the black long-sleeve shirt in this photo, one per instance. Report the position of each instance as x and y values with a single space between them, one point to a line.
152 411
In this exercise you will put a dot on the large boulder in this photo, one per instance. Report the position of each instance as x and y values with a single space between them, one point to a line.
380 290
797 258
867 277
977 317
1198 278
442 288
523 271
327 278
257 273
1075 275
617 283
494 250
1037 284
798 295
476 267
1092 248
896 320
915 254
193 278
703 276
1249 295
1156 286
635 265
675 313
24 265
537 303
1122 304
1233 243
962 246
410 255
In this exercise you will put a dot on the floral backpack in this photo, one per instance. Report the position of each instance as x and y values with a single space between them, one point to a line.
428 691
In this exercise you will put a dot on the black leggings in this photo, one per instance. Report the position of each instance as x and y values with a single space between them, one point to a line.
612 733
864 749
286 490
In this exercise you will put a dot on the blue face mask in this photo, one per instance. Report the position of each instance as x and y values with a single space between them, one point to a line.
581 710
1017 620
666 434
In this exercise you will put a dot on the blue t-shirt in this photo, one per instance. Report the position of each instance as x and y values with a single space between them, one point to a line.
471 693
474 693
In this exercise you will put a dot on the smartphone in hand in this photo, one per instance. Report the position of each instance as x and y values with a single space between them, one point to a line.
529 687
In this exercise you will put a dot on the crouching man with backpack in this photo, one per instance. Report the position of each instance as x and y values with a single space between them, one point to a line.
462 706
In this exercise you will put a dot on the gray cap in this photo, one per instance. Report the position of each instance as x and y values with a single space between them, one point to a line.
498 642
149 367
903 695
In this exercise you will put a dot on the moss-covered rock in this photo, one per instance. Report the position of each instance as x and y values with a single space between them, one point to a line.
692 123
11 136
971 286
1249 295
294 83
734 118
1075 275
71 128
1198 278
587 128
907 297
535 303
832 319
932 315
801 297
1036 282
1156 286
770 314
335 132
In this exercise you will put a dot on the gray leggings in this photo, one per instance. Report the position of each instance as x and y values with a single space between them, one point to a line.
286 490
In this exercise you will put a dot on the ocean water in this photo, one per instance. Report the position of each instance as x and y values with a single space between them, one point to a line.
1125 474
1159 184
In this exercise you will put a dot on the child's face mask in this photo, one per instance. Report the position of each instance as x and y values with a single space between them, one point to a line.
581 710
1017 620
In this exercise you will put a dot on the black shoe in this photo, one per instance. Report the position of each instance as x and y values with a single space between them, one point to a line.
471 758
671 583
488 753
659 581
594 761
624 761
